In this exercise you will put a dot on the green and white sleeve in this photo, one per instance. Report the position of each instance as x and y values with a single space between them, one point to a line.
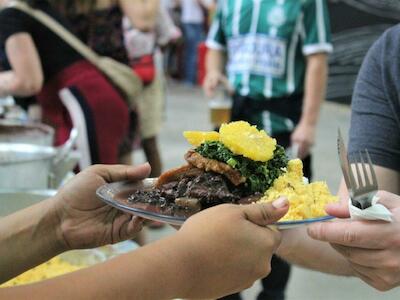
316 27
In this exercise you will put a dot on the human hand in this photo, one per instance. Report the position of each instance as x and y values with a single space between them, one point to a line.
371 247
227 247
211 82
304 137
87 222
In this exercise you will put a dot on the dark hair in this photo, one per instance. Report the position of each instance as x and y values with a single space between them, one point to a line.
73 7
32 3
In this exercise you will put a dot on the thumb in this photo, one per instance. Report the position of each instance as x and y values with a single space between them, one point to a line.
138 172
266 213
113 173
389 200
338 210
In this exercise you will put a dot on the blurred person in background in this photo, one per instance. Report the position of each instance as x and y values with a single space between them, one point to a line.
193 20
40 64
98 23
276 63
173 51
149 29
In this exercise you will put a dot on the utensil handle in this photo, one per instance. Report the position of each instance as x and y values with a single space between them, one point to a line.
63 150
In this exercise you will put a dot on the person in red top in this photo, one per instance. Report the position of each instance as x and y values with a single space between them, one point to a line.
40 63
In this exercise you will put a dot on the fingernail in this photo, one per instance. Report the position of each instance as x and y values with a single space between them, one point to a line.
313 230
280 203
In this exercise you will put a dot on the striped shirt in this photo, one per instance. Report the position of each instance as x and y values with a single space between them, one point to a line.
267 42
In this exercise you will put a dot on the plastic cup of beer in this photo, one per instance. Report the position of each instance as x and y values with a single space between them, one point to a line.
220 111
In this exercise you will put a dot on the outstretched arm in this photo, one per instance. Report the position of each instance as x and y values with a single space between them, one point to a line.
314 94
142 14
191 264
299 249
317 253
215 64
26 75
73 219
28 239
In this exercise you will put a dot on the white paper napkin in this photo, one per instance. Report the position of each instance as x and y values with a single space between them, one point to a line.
375 212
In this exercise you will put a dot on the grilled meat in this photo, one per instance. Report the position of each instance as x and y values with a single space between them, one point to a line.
206 164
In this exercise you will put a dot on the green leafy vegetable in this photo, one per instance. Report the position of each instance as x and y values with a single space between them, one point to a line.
260 175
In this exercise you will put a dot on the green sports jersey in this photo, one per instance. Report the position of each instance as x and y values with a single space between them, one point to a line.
267 42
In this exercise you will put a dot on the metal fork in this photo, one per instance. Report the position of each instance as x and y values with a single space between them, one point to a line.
362 188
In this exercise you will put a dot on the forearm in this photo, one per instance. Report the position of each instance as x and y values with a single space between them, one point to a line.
12 85
7 83
26 75
151 272
314 88
206 4
27 239
142 14
215 61
299 249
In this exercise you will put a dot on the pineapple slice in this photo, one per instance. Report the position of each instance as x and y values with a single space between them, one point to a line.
243 139
196 138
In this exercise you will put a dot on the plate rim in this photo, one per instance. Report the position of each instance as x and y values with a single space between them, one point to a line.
305 221
103 194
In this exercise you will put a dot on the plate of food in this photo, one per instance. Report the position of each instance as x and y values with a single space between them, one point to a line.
239 164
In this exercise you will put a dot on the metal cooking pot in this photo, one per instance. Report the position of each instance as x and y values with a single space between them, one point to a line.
25 166
14 200
13 131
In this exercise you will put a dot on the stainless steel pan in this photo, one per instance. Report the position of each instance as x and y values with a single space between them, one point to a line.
25 166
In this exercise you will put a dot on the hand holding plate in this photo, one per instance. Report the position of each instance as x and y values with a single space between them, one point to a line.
87 222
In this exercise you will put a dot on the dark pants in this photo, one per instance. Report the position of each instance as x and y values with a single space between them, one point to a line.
193 34
274 284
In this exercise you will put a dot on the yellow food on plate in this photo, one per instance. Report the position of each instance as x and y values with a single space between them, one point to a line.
239 137
306 200
196 138
243 139
52 268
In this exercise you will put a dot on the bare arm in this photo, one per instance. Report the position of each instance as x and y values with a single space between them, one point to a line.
314 94
298 248
182 266
26 76
388 180
206 4
131 276
28 234
315 87
142 14
215 63
72 219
